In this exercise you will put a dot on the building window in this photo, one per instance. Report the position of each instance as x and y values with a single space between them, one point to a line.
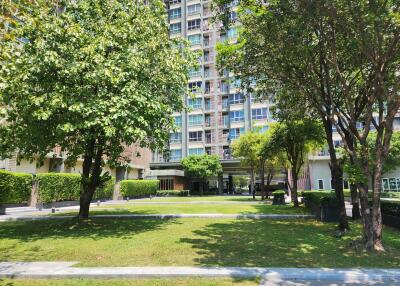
195 120
196 151
235 133
236 98
196 136
166 184
175 28
194 39
320 184
178 121
194 24
175 155
195 72
195 86
194 9
174 1
233 16
232 33
391 184
175 137
259 113
236 116
195 103
175 13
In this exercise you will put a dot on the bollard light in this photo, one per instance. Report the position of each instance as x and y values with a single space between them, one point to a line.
98 202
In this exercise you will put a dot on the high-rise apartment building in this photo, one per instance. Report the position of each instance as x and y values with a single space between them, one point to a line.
219 112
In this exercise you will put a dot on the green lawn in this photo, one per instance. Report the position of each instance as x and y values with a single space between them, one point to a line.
200 198
226 198
242 208
129 282
186 242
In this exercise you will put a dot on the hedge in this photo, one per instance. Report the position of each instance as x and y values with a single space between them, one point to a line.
67 187
315 199
176 193
384 194
139 188
105 192
15 187
58 187
279 197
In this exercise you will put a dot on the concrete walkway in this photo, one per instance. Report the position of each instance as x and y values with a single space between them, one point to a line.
46 270
163 216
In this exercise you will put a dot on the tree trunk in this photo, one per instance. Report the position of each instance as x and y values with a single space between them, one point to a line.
376 205
337 182
253 190
262 179
366 216
354 201
295 199
337 176
90 181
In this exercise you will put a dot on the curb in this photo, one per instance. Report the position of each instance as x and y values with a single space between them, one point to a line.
49 270
165 216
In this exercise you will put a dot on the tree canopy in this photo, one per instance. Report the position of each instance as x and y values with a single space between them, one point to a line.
202 166
98 75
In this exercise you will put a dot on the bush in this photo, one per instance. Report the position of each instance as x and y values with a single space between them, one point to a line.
175 193
15 187
105 192
318 197
58 187
279 197
390 208
139 188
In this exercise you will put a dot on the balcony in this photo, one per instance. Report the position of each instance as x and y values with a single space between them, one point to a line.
209 139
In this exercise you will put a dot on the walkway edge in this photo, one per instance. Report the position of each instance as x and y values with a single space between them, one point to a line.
49 270
165 216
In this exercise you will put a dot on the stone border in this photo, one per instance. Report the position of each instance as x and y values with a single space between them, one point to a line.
164 216
49 270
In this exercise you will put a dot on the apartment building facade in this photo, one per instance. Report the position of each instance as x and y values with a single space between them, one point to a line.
218 112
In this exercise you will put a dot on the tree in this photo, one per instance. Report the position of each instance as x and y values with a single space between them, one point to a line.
295 139
391 163
90 79
202 166
281 48
246 148
241 181
270 161
342 57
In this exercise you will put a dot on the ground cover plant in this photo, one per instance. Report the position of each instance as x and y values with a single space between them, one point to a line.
186 242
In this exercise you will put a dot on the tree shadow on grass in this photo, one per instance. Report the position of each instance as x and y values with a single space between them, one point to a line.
291 243
268 208
96 228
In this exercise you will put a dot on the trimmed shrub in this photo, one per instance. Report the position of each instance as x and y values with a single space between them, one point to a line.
323 204
139 188
58 187
174 193
390 208
15 187
279 197
105 192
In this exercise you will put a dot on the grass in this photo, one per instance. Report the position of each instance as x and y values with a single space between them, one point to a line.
129 282
225 198
242 208
191 242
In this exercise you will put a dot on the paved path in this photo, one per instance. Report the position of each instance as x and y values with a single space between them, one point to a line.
47 270
164 216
